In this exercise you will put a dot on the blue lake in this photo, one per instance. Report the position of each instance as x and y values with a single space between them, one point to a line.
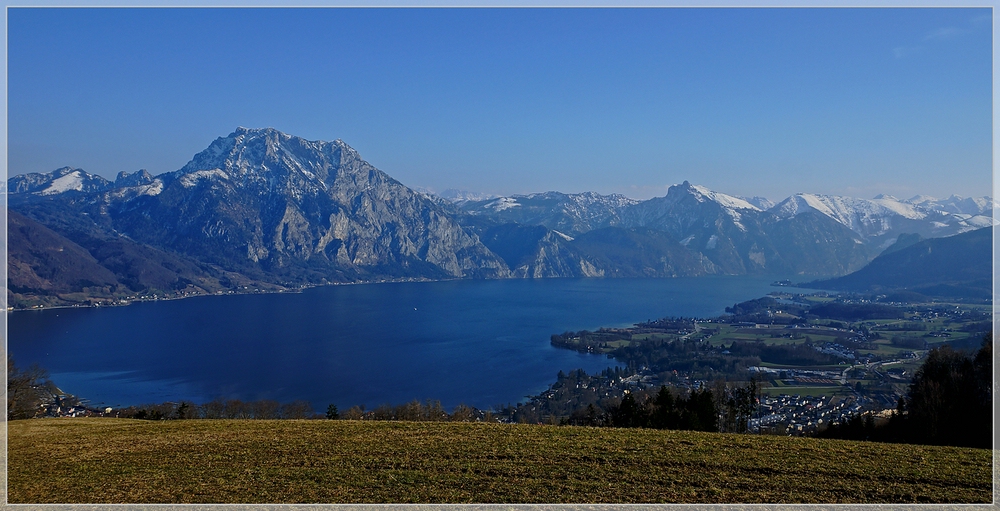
482 343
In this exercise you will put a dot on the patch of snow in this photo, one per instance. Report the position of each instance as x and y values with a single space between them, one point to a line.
153 188
762 203
563 236
503 203
725 200
131 192
456 195
868 217
71 181
981 221
710 244
920 199
900 208
191 179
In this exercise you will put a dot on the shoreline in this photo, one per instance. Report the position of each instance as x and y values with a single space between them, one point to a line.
301 288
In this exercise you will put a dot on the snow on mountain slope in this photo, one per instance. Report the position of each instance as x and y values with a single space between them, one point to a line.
573 214
66 179
863 216
192 178
887 216
726 201
502 203
71 181
456 195
762 203
955 204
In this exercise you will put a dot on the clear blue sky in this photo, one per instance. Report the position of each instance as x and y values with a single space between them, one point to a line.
745 101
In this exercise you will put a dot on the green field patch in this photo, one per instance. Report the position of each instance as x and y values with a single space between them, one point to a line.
653 337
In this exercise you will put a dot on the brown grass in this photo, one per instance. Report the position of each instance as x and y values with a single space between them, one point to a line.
201 461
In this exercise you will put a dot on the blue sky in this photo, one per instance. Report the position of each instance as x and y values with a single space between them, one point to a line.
745 101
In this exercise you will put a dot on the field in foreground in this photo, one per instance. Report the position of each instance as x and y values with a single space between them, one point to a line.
201 461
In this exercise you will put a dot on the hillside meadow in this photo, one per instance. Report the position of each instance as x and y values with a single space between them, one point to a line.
316 461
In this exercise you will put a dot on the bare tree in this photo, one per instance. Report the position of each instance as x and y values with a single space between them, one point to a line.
296 410
354 413
463 413
265 409
24 390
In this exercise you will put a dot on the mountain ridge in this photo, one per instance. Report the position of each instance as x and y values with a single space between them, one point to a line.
259 207
958 265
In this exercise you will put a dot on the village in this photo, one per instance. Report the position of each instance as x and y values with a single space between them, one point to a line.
864 354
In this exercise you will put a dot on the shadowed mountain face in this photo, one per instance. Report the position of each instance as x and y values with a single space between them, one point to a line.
45 267
40 259
960 265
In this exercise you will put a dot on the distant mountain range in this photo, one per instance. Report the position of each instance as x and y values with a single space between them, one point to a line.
260 209
879 220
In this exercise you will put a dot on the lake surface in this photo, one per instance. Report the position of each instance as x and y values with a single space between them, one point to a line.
482 343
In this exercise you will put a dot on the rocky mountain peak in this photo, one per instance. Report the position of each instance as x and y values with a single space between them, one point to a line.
137 178
700 193
268 158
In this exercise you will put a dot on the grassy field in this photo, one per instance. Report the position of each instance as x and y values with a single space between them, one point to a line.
200 461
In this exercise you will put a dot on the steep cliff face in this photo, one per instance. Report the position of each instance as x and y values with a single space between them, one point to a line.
538 252
265 202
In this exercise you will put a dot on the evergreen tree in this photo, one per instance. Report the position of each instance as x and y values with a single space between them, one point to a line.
332 413
950 398
664 414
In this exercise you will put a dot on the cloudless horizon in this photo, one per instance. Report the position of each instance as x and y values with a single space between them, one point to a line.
745 101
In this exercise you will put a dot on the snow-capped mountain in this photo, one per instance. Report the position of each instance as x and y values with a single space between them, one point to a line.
882 219
571 214
66 179
738 237
974 206
264 206
686 204
761 202
264 202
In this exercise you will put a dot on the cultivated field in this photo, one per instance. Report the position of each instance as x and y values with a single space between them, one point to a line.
202 461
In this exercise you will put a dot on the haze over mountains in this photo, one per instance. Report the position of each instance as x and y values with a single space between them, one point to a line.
956 266
262 209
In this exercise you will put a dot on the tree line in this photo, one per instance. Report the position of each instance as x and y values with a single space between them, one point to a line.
664 410
220 409
949 402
